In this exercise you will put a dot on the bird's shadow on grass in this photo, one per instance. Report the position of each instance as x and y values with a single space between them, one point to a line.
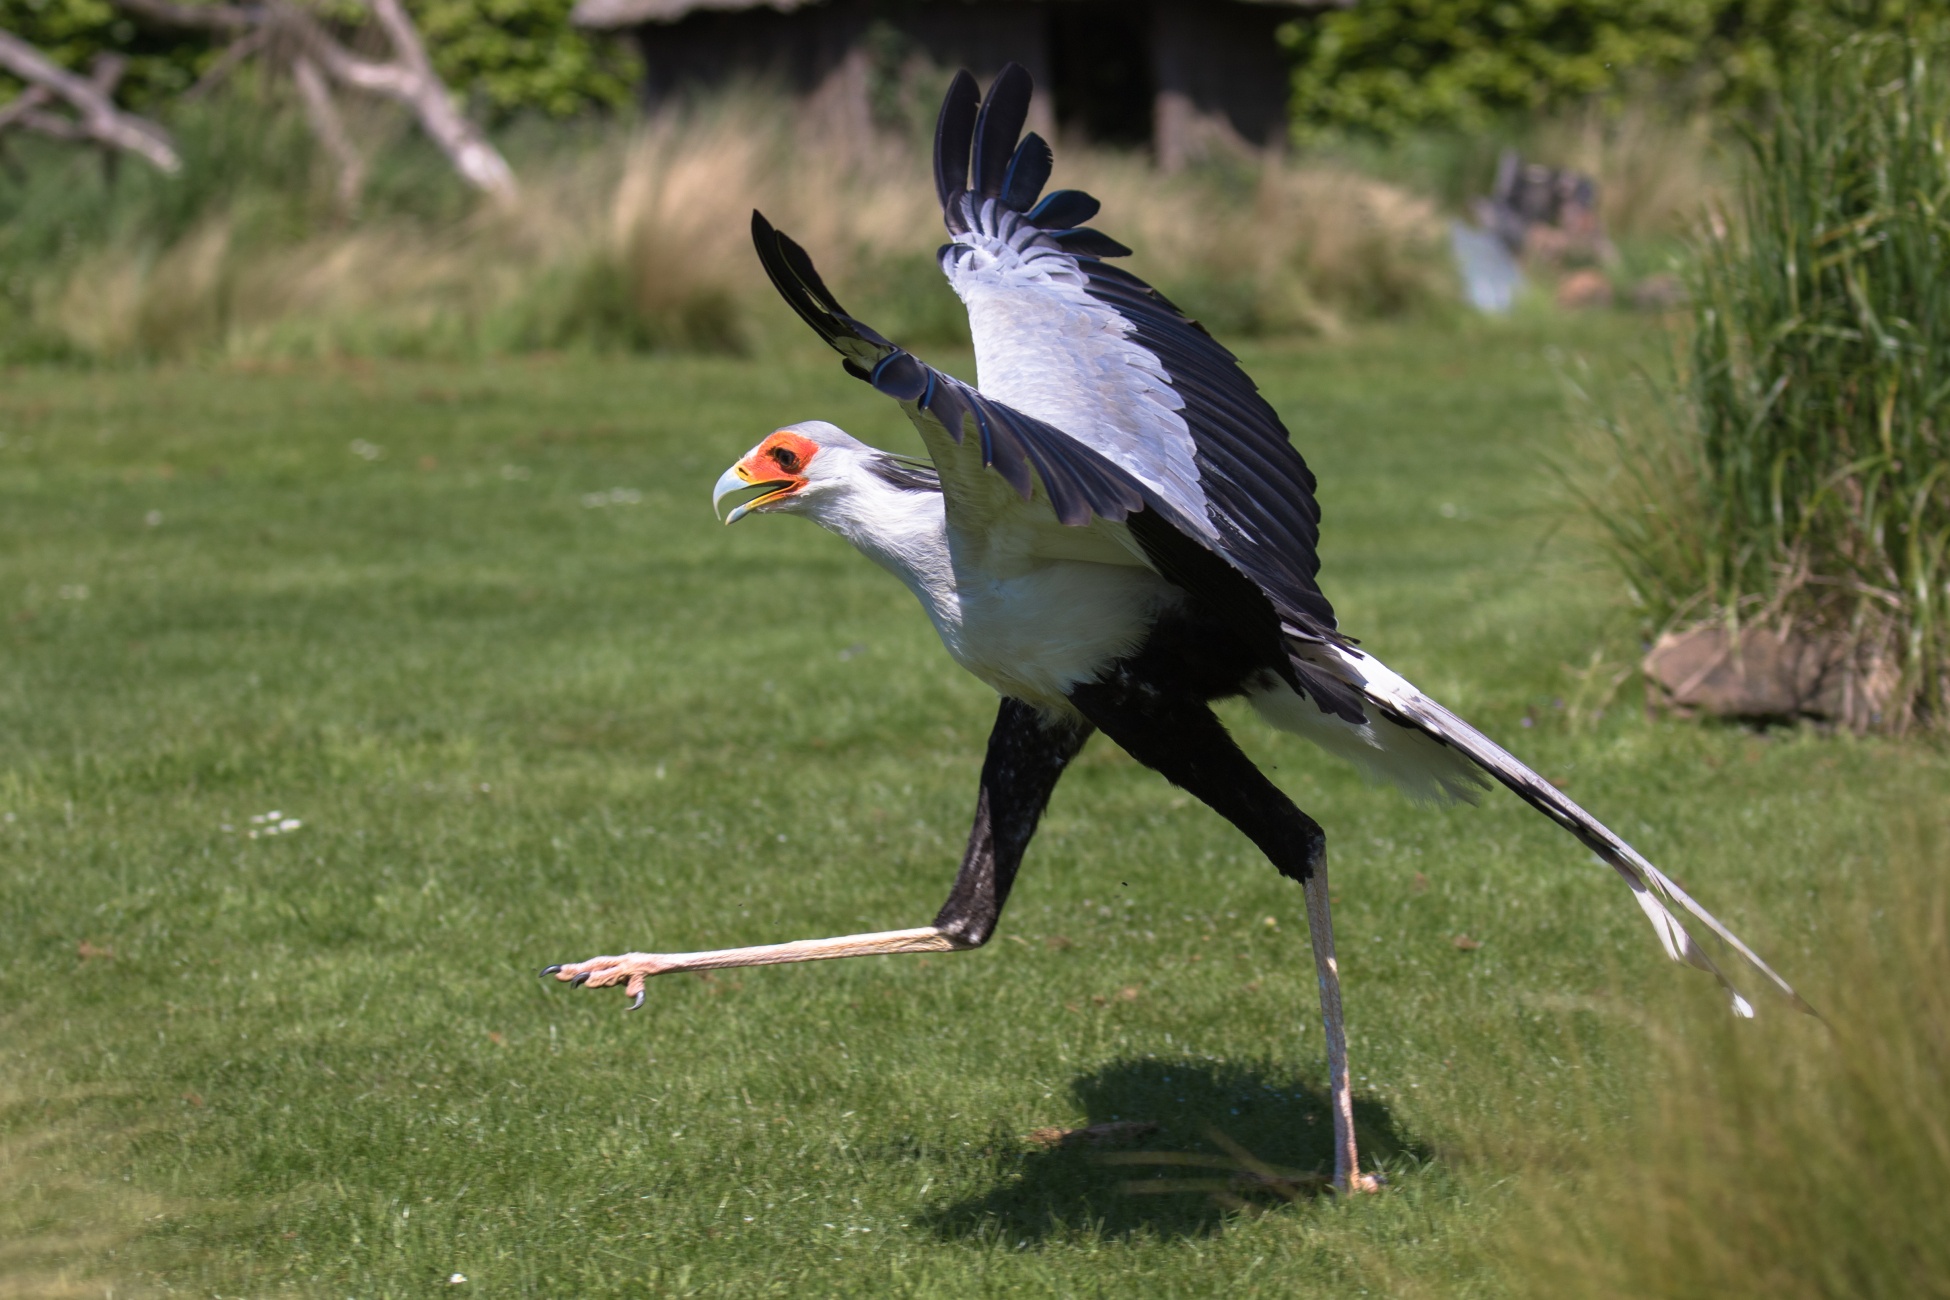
1220 1129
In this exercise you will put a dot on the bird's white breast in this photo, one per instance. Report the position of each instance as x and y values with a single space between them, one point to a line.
1040 630
1030 624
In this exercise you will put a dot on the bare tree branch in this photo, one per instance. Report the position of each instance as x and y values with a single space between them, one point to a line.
408 78
411 81
24 105
96 117
329 127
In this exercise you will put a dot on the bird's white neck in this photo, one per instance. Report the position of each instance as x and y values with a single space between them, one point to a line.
903 531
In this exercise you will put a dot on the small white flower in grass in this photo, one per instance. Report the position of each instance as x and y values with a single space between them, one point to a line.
272 823
153 519
455 1279
365 450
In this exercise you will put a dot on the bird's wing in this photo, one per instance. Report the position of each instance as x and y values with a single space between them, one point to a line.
1012 463
1093 351
1003 468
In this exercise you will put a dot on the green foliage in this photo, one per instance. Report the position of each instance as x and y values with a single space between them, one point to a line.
522 55
1806 470
1390 69
162 63
514 56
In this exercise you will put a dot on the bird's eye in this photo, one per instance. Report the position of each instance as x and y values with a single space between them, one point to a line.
786 459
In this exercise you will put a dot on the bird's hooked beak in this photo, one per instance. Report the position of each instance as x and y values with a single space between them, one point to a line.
744 477
773 470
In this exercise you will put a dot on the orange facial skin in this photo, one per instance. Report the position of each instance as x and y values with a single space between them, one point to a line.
781 459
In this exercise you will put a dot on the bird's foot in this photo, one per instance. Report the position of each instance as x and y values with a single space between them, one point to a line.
1362 1183
630 970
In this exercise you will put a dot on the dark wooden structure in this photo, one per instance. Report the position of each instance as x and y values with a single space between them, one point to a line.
1181 76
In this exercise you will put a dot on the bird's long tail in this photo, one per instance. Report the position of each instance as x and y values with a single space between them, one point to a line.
1400 703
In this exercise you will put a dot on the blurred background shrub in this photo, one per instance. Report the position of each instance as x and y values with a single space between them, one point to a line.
1390 69
507 56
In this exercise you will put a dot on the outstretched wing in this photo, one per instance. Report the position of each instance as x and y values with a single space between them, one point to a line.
1032 462
1094 351
1001 466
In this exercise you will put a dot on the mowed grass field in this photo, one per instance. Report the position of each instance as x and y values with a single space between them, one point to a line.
475 628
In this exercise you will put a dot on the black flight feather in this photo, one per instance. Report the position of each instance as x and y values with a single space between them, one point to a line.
997 125
954 130
766 240
1063 210
1089 243
1028 172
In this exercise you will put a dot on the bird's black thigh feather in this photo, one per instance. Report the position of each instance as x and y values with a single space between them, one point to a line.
1028 750
1140 704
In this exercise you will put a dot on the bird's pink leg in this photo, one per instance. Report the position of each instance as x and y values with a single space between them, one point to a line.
633 968
1320 929
1028 751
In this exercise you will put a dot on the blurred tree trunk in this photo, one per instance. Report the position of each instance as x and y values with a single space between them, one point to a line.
301 46
329 127
95 116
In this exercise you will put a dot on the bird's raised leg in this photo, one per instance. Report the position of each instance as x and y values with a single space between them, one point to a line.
1028 750
1168 730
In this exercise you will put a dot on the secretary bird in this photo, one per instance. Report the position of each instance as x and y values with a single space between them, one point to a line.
1114 532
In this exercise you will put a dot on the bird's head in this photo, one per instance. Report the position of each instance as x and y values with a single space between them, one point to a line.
804 469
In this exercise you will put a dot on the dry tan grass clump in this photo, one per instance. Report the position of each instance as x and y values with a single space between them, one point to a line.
640 242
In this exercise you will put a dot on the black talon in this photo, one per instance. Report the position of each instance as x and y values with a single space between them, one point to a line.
637 1003
548 971
579 980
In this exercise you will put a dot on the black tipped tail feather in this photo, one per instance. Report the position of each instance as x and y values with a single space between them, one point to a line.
1400 702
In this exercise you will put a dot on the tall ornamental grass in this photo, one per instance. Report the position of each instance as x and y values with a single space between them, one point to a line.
1786 1158
1799 476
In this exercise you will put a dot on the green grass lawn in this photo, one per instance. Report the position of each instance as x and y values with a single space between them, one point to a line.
476 629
